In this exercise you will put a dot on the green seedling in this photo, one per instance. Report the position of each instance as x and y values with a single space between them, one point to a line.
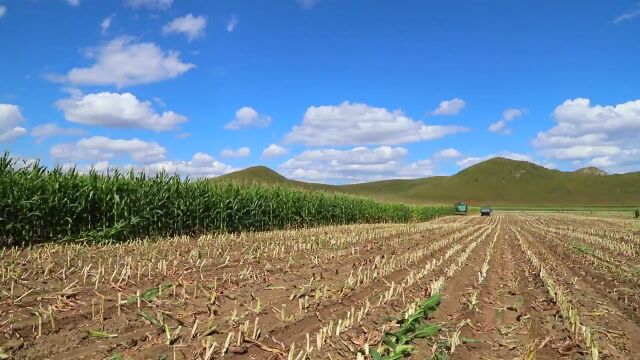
149 294
150 319
101 334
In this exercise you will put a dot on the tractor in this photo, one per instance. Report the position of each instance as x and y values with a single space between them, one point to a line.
460 208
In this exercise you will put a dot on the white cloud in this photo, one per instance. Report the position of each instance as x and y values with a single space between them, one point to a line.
73 2
104 148
449 153
149 4
360 124
468 161
202 165
192 26
450 107
123 62
273 151
584 131
585 151
307 4
119 111
232 23
45 131
106 24
10 119
248 117
101 167
627 16
20 162
241 152
603 161
355 165
3 10
508 115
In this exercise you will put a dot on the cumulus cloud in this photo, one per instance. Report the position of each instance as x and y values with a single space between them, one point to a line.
450 107
508 115
469 161
232 23
118 111
355 165
202 165
73 2
606 135
106 24
3 10
273 151
149 4
240 152
360 124
104 148
123 62
10 119
45 131
191 26
101 167
449 153
248 117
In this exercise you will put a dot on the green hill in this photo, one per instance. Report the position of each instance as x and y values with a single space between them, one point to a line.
591 171
497 181
262 175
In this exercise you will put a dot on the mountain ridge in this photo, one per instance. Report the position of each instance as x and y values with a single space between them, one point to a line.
497 181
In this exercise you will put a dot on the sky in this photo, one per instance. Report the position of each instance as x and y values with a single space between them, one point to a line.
333 91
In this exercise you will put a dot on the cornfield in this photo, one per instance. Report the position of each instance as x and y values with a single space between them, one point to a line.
41 205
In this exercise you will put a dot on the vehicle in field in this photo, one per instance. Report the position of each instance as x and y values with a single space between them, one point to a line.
460 208
485 211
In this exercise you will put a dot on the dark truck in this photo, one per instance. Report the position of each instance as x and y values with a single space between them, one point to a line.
485 211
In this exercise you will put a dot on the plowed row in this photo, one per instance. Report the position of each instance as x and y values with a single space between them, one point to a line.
512 286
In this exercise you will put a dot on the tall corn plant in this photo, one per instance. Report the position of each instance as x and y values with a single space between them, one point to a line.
39 205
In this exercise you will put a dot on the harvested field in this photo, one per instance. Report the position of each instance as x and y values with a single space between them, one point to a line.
508 286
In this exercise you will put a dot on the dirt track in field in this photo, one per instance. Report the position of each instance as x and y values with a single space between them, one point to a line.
289 286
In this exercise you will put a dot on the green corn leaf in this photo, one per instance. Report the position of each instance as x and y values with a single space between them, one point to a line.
400 352
150 319
465 340
390 341
101 334
415 317
431 303
210 331
375 354
426 331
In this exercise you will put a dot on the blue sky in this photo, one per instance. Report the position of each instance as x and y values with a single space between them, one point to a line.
332 91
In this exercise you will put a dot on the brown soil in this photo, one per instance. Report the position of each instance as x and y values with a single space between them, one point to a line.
293 283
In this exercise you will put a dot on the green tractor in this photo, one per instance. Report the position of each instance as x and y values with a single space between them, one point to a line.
460 208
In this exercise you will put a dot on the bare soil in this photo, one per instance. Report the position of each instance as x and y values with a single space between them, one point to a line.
211 294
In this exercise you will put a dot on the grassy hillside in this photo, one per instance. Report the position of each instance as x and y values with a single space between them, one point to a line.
262 175
498 181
